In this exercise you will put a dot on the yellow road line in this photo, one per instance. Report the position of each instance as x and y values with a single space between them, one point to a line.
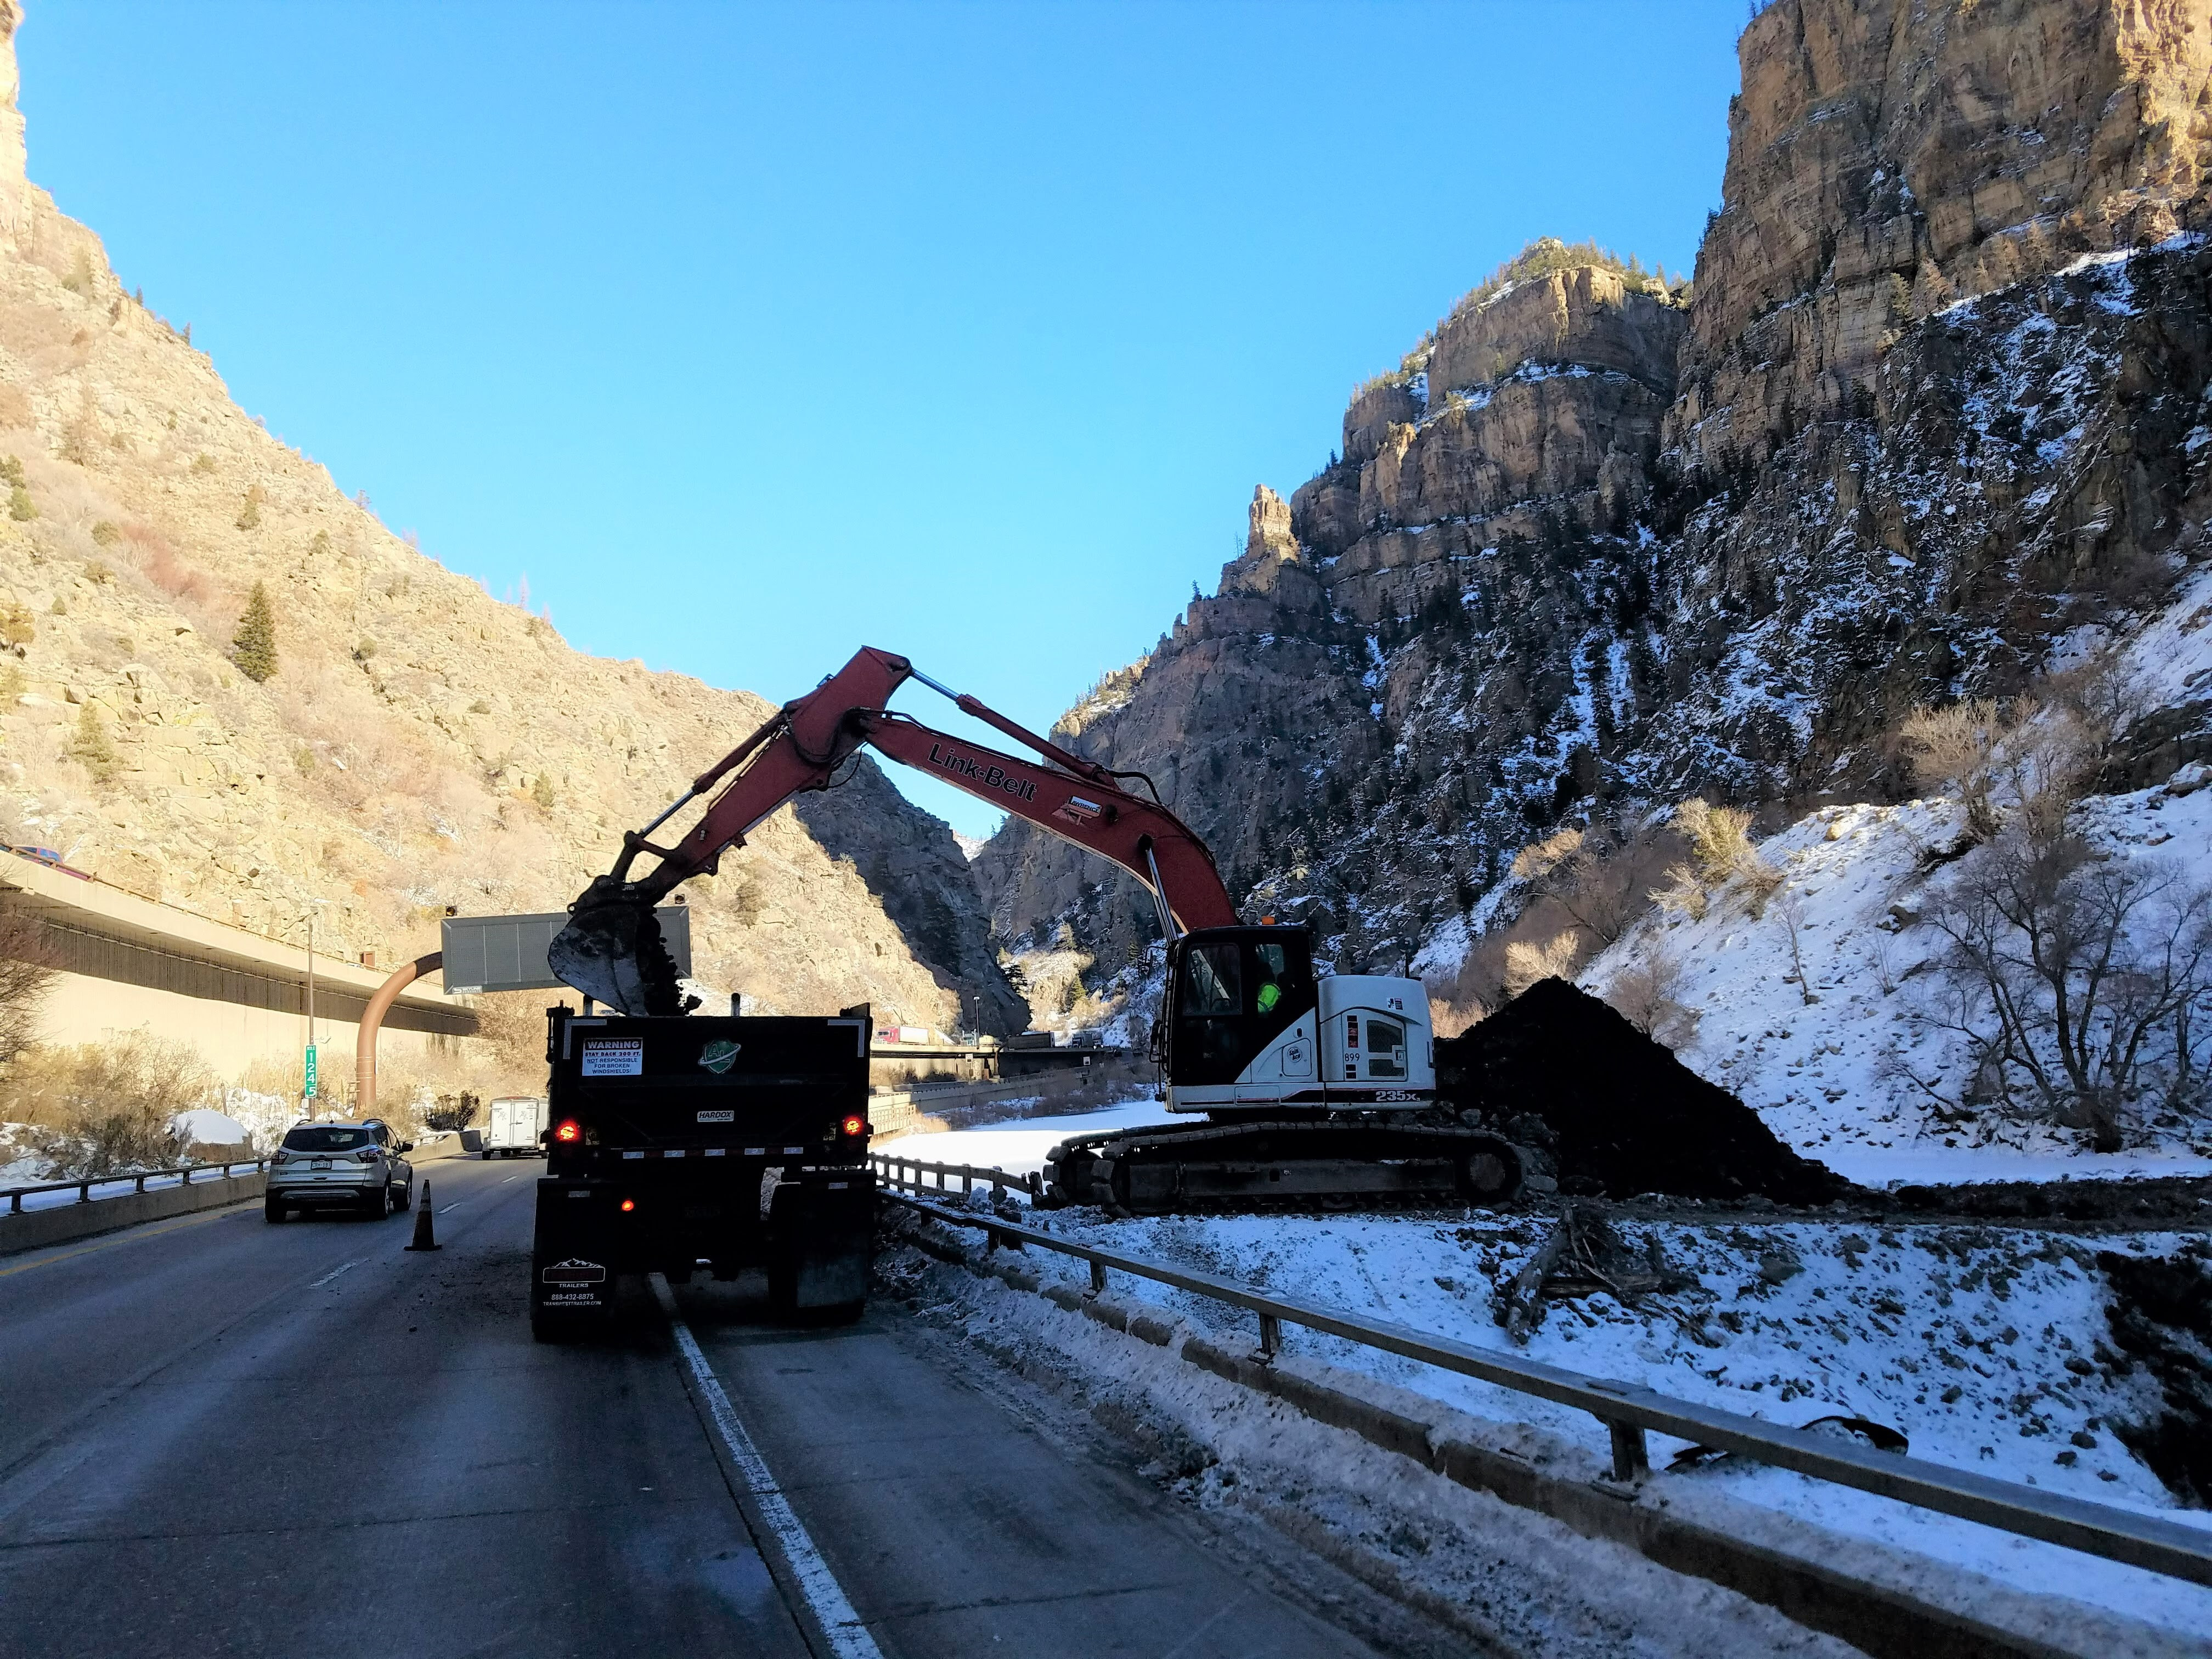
130 1235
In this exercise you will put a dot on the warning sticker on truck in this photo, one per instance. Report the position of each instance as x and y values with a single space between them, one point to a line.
614 1059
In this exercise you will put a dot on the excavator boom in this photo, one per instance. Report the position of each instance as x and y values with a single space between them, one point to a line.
611 949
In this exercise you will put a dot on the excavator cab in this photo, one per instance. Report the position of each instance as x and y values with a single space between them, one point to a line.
1240 1005
1251 1031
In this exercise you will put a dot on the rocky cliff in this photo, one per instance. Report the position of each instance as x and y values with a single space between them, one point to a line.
1935 398
420 744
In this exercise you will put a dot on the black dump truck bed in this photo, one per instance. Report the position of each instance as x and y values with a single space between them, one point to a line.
683 1142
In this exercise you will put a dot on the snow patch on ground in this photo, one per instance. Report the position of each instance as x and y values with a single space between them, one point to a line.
1020 1146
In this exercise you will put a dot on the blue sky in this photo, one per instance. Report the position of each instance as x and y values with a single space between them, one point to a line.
748 335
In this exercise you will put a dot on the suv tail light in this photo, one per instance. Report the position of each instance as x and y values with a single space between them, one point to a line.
366 1155
569 1131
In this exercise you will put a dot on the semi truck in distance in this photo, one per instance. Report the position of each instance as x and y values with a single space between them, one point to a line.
517 1127
682 1145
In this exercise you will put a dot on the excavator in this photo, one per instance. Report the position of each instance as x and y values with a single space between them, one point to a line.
1312 1090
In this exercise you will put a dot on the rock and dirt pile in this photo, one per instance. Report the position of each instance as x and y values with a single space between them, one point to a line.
1617 1114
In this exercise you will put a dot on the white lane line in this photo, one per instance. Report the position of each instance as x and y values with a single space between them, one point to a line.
344 1268
455 1204
510 1178
848 1637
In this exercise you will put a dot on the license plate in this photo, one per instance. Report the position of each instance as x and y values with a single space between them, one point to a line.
319 1164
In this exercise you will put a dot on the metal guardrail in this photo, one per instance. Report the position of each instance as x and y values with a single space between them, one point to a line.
16 1195
1628 1410
888 1165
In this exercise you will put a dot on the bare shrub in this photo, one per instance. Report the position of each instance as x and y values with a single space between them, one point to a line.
2035 756
1721 853
511 1026
1584 873
1684 895
26 974
1790 915
2079 982
159 560
1453 1012
1105 1082
103 1108
1527 961
1643 993
1956 747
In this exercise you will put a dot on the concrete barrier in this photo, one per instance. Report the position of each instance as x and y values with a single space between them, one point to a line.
35 1229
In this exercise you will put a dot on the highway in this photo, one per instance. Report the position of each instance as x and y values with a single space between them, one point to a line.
221 1437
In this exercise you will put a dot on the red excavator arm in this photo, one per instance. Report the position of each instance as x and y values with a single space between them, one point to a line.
611 949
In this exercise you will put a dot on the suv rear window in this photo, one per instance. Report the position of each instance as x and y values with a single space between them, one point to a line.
324 1139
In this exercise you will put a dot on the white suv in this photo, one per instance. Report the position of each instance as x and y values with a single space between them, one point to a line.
352 1166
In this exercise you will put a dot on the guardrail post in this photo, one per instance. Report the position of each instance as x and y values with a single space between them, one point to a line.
84 1192
1631 1460
14 1204
1098 1279
967 1179
1271 1338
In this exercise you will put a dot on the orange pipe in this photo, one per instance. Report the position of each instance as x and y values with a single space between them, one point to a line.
372 1021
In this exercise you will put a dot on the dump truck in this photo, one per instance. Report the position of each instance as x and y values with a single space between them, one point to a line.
683 1144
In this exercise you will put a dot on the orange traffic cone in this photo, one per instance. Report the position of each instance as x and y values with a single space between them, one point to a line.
424 1238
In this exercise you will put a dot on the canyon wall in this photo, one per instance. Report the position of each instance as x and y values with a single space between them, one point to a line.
1934 399
420 744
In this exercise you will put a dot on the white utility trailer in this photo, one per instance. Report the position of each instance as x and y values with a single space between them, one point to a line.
518 1125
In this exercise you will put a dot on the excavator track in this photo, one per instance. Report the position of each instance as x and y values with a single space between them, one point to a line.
1237 1168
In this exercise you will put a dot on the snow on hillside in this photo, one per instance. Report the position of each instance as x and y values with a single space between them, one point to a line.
1831 1064
1838 1066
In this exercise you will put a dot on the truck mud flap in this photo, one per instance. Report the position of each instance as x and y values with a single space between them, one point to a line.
572 1267
822 1242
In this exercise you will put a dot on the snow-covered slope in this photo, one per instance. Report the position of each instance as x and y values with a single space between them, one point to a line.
1844 1064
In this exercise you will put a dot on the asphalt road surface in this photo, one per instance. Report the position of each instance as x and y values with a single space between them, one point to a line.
218 1437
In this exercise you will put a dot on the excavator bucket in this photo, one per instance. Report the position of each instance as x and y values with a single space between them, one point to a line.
613 951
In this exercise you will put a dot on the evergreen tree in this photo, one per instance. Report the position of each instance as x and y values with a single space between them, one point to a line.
91 745
253 648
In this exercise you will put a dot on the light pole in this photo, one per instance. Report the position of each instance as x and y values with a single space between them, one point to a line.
308 1078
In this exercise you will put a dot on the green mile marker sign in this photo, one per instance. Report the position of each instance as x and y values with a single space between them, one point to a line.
310 1090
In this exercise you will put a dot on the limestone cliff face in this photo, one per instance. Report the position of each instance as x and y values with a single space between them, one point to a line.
1938 398
421 744
1270 708
1888 157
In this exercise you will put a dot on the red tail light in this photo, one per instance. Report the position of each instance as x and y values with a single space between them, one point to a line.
569 1131
1352 1030
856 1127
628 1204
